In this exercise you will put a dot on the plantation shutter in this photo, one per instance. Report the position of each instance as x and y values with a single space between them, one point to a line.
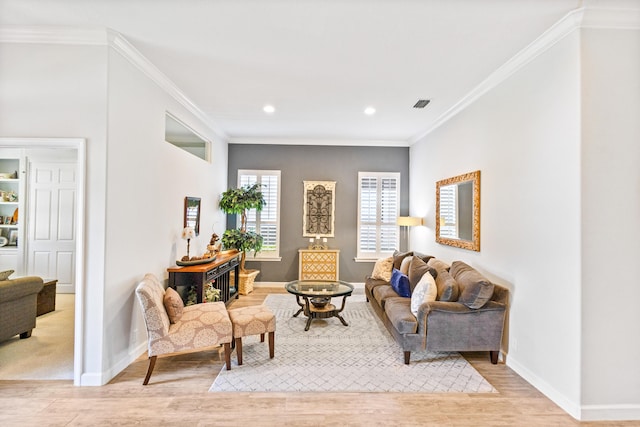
378 210
266 222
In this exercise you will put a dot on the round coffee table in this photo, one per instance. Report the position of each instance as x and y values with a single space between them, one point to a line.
317 295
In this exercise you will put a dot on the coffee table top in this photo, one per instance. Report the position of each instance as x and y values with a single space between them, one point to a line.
319 288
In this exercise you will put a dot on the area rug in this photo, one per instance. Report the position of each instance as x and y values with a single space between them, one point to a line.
361 357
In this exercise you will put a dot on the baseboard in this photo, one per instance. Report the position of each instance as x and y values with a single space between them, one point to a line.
100 379
281 284
610 413
567 405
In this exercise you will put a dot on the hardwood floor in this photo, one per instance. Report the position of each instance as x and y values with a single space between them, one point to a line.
178 395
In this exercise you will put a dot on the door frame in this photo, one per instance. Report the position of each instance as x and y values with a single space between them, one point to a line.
79 144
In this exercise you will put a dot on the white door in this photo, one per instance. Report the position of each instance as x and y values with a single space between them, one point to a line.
51 239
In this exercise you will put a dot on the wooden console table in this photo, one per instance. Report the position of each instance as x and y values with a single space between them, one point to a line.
318 264
217 272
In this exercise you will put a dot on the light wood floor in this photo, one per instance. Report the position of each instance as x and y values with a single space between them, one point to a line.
178 395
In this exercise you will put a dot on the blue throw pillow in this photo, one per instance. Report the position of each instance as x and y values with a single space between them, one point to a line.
400 283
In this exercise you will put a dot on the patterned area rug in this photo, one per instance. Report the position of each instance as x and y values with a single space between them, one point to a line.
361 357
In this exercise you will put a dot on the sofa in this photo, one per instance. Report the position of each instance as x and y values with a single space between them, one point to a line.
466 312
18 306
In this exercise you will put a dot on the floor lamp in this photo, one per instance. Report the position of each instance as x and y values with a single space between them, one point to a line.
405 222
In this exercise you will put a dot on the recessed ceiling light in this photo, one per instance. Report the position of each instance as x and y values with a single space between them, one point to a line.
369 111
269 109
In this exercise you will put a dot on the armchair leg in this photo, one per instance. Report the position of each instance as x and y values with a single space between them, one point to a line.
494 357
152 364
407 357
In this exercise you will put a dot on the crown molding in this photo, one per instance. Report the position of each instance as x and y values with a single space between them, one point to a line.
100 36
588 18
320 141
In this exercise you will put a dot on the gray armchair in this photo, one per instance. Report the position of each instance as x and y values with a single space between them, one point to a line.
18 306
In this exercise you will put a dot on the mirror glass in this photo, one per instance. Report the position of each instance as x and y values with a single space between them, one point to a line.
458 211
182 136
192 213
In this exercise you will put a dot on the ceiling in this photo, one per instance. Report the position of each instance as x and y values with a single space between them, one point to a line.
319 63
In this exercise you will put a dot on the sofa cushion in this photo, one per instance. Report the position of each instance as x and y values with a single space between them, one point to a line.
447 286
422 256
404 265
4 275
438 265
476 290
382 293
370 283
398 311
398 257
173 304
425 290
400 283
417 269
382 269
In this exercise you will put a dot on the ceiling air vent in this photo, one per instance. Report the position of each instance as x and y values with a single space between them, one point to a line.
421 103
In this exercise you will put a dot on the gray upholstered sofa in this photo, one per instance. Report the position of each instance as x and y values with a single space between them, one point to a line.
18 306
443 325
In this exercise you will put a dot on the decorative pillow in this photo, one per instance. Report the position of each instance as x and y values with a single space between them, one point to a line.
476 289
447 287
423 257
438 265
404 265
425 290
398 257
5 274
417 269
400 283
382 269
173 304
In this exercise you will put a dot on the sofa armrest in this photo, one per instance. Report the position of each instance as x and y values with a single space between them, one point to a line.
454 308
17 288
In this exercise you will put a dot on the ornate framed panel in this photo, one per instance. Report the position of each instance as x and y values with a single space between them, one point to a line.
319 209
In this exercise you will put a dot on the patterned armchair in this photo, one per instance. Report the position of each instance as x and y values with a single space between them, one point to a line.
200 326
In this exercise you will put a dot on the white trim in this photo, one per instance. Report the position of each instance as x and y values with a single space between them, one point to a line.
78 144
569 406
356 285
89 36
610 413
321 142
592 18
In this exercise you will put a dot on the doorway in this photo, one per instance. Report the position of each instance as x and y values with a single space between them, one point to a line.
74 270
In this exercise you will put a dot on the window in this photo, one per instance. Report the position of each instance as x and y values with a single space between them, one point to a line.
266 222
378 210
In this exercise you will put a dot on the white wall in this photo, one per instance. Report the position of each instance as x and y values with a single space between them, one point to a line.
135 184
611 222
524 137
148 180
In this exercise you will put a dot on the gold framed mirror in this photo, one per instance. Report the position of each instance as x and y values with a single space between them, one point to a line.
458 211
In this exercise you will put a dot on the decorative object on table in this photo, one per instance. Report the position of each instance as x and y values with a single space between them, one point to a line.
192 213
238 201
188 233
319 208
214 246
315 243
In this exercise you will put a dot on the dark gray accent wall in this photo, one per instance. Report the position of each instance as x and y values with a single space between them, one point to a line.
299 163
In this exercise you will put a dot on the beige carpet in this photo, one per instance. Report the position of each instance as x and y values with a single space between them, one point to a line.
48 353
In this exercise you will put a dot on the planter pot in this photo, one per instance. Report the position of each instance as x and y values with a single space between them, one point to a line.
245 284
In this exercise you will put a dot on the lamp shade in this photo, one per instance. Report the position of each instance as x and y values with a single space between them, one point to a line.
188 233
409 221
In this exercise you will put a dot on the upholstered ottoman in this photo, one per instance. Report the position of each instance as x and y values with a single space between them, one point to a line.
254 320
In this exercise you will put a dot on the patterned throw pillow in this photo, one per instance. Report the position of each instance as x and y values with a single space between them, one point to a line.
400 283
425 291
5 274
382 269
173 304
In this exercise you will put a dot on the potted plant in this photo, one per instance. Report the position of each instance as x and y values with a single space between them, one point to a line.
237 201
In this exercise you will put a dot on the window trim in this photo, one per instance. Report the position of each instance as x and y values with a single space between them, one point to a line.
266 255
362 256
